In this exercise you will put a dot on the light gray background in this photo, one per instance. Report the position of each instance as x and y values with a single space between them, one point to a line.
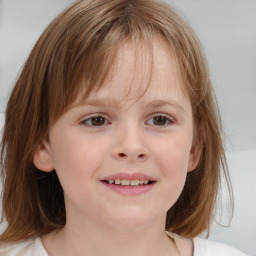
227 29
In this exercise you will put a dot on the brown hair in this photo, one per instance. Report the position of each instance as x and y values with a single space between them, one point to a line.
80 45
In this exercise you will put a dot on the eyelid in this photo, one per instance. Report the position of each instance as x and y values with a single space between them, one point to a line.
170 119
90 116
163 114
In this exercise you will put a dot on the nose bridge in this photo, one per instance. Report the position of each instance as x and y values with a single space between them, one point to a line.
130 143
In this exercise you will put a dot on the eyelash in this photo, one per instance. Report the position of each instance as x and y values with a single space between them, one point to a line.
91 117
167 120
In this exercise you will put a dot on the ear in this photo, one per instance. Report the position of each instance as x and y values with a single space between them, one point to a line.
42 157
194 157
196 149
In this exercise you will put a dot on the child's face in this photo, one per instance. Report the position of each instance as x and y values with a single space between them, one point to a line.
114 138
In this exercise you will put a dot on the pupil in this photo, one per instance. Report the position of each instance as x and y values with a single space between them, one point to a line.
96 121
159 120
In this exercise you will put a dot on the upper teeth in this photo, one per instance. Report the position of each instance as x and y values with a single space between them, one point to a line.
128 182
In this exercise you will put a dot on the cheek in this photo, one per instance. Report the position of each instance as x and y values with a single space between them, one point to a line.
173 164
172 158
75 150
173 154
76 160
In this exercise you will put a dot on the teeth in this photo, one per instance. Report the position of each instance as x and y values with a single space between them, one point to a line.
135 182
128 182
117 182
125 182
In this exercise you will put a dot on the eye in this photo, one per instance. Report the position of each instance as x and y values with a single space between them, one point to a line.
95 121
160 120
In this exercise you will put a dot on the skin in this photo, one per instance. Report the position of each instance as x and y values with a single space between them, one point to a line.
129 139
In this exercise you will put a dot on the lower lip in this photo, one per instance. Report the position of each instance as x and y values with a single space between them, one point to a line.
130 190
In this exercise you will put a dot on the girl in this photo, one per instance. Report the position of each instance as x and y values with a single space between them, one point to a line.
112 140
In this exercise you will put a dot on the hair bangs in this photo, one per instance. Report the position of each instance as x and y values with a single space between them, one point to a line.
84 56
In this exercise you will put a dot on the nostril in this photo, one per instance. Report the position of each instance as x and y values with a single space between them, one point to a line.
131 156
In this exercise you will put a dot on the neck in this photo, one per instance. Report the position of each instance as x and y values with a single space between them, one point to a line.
97 240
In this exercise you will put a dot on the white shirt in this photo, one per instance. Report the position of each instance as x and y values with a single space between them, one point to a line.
34 247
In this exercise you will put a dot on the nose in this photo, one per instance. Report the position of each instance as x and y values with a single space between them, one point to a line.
131 146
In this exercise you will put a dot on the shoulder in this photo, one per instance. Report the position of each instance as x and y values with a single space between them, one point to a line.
28 247
204 247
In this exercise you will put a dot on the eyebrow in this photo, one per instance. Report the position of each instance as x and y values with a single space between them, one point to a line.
103 102
169 102
112 103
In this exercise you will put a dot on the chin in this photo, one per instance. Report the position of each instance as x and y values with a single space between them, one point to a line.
133 220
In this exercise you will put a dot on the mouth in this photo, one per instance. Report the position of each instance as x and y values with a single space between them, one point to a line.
129 183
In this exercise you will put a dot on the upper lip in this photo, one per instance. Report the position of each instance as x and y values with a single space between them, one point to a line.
129 176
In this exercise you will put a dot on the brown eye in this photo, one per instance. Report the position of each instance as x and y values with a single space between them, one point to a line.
98 120
95 121
160 120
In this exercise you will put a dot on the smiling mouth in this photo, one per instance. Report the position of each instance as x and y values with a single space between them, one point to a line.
129 183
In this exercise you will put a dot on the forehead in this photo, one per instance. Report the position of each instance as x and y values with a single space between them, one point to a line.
142 71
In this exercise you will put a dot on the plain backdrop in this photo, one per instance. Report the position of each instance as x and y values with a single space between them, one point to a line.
227 29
